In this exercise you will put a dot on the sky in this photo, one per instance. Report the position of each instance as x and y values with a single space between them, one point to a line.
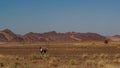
23 16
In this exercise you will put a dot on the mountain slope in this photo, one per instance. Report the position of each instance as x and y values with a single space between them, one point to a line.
9 36
114 38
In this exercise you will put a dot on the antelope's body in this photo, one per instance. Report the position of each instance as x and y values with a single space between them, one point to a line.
43 50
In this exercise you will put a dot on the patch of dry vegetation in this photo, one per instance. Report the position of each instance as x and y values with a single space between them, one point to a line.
51 62
73 62
63 60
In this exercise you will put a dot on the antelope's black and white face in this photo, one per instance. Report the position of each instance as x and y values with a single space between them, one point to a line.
41 49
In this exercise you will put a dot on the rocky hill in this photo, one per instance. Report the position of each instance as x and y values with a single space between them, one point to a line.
8 36
114 38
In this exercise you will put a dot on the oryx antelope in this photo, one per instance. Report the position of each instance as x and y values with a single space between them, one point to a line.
43 50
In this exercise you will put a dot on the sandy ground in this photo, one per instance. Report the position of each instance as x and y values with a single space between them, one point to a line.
70 57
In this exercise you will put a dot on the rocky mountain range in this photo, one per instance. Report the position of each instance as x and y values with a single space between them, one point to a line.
114 38
8 36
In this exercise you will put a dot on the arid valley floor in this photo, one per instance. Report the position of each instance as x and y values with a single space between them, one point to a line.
60 55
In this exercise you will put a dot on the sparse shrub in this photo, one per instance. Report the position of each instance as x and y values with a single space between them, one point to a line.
101 63
12 57
90 62
14 65
117 56
103 56
26 65
94 56
84 56
53 62
2 56
116 61
2 64
73 62
46 58
106 41
17 58
35 57
17 64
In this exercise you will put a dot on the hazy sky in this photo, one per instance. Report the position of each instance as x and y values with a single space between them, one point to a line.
22 16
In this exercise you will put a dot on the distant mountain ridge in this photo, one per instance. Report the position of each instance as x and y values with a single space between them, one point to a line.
8 36
114 38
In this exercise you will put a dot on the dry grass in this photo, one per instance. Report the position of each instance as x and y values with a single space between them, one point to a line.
94 56
65 59
90 62
54 62
117 56
85 56
104 56
73 62
2 56
35 57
